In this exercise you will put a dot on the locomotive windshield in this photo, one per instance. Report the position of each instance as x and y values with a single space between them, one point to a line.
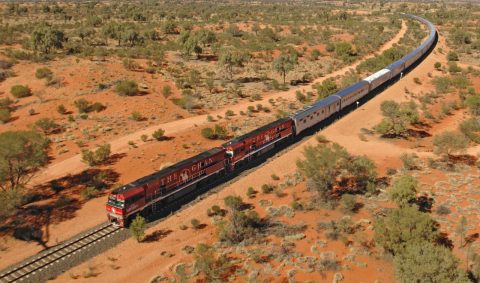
113 201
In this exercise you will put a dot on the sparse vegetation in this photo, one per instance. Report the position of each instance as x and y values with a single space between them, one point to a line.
127 88
20 91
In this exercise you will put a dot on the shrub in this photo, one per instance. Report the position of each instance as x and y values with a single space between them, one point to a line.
159 134
404 190
144 138
403 226
82 105
251 192
349 203
275 177
89 193
196 224
452 56
97 107
20 91
101 154
61 109
136 116
450 142
166 91
233 202
229 113
44 73
267 188
300 96
137 228
5 102
409 161
46 125
127 88
208 133
217 210
437 65
443 210
417 81
5 115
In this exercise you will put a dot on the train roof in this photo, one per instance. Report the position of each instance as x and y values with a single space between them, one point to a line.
376 75
348 90
256 131
168 170
395 65
315 106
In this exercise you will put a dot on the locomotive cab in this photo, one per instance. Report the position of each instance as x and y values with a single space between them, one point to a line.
115 209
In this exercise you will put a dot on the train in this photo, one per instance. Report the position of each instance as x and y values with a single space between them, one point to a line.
149 194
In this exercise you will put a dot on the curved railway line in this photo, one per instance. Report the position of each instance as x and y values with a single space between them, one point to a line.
57 259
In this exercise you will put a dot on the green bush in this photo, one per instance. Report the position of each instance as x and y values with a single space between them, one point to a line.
267 188
46 125
196 224
44 73
97 107
137 228
5 115
452 56
20 91
101 154
251 192
61 109
159 134
82 105
127 88
208 133
349 203
136 116
89 193
5 102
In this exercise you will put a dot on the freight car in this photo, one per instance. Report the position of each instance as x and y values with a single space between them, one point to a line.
152 192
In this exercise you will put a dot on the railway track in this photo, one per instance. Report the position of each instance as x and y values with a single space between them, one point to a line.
27 270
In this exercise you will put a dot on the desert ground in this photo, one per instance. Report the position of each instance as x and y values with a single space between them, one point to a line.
167 253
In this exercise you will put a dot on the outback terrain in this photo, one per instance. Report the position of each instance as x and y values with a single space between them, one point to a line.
131 88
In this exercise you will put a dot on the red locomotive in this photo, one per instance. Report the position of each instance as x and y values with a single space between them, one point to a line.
150 193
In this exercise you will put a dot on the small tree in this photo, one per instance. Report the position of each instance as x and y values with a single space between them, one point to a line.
284 64
450 142
404 190
159 134
46 125
402 227
22 153
231 58
127 88
137 228
20 91
427 262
